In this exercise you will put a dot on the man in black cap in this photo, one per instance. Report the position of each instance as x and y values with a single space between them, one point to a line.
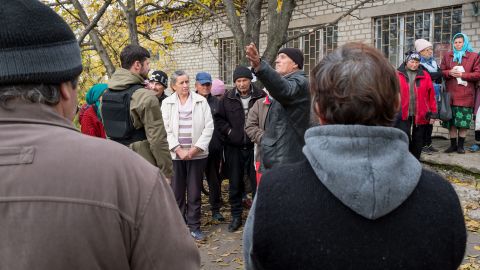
159 83
230 121
289 114
71 201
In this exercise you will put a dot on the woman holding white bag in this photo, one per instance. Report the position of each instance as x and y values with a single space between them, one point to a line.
461 69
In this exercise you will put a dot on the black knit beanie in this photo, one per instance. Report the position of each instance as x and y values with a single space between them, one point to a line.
160 77
36 45
295 54
242 72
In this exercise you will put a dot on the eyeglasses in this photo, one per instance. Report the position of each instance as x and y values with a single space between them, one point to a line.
206 84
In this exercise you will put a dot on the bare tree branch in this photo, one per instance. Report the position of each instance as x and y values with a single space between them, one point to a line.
62 4
147 36
212 12
59 3
95 39
95 20
355 7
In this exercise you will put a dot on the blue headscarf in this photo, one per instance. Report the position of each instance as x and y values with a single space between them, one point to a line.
457 55
93 96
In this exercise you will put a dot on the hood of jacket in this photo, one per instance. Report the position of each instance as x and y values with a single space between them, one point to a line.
123 78
368 168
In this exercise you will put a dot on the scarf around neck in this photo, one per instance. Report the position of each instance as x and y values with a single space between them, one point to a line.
430 64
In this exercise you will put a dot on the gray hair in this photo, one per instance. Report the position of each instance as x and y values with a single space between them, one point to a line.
175 75
48 94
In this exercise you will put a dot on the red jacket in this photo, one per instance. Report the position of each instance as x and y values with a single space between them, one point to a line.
461 95
90 124
425 95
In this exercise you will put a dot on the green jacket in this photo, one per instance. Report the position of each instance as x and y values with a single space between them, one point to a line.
146 113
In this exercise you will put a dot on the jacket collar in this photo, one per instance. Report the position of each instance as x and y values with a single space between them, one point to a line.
255 93
299 72
174 98
33 113
420 72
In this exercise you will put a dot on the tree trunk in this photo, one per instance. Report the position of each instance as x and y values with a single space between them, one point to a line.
277 27
95 37
235 25
131 16
253 22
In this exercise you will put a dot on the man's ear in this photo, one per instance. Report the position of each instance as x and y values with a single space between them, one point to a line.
66 91
319 115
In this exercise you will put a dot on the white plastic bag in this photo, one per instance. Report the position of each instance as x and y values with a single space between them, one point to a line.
477 120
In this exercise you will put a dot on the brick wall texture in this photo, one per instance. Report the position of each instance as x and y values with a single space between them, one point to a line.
200 52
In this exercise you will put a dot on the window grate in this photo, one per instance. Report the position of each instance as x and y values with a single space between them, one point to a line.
230 58
315 45
396 34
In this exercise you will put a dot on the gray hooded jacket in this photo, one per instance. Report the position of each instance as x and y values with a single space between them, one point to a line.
369 180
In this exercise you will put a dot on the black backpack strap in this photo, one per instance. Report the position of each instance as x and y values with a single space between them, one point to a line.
117 120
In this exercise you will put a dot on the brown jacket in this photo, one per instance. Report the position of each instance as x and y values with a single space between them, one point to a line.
71 201
255 125
461 95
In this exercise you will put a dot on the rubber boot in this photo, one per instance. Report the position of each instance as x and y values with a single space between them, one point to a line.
453 146
461 141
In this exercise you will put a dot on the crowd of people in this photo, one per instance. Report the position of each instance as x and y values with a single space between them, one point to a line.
332 160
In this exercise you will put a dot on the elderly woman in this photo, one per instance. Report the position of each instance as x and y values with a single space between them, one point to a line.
90 118
359 200
418 101
461 69
425 49
189 125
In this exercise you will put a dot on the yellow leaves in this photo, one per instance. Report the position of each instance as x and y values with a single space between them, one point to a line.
471 265
279 5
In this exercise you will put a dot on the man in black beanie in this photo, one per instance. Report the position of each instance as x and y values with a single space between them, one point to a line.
159 83
230 121
289 114
71 201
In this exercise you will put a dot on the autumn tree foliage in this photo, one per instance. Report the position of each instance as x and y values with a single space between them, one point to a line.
104 27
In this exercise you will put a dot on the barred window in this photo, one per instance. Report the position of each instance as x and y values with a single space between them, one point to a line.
315 45
396 34
230 58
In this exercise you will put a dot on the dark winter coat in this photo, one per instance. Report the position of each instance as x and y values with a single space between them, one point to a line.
424 95
288 117
461 95
230 118
355 205
216 143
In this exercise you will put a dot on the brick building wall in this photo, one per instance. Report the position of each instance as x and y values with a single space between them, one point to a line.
204 55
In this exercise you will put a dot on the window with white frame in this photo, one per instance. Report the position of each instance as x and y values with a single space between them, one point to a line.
230 58
396 34
314 45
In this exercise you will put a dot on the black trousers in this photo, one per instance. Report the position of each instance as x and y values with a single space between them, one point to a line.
239 162
212 172
415 133
427 139
187 178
